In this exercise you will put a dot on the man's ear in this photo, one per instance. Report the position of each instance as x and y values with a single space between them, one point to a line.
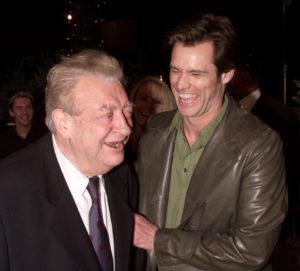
227 76
62 122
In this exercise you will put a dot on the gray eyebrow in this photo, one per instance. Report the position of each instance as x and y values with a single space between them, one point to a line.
108 107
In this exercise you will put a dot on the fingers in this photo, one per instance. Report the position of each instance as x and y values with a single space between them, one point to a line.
144 233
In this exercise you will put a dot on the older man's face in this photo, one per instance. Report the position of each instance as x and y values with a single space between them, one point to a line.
100 125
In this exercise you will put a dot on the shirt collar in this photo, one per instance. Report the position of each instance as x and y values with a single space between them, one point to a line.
76 181
206 133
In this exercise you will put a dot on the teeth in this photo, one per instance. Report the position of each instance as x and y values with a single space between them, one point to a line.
187 97
115 145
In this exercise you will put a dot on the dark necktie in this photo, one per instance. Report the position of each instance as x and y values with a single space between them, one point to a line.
98 232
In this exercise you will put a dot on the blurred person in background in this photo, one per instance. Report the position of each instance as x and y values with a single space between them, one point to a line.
245 87
24 129
151 95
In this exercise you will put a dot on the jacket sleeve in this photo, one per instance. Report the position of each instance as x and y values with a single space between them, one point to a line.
132 189
247 245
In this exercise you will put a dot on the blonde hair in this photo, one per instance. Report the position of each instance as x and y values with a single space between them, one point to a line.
63 76
166 93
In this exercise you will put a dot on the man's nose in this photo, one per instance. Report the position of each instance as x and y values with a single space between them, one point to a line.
26 110
182 82
123 125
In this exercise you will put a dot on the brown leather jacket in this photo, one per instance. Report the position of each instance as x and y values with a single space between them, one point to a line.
235 203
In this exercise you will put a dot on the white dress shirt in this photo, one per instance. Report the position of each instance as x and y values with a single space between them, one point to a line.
77 183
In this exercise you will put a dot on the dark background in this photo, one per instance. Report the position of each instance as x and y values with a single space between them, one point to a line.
35 33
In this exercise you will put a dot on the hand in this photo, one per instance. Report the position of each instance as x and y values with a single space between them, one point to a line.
144 233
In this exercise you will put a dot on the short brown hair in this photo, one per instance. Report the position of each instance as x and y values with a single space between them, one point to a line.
20 94
204 27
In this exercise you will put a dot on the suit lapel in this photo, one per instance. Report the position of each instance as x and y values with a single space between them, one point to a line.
64 218
122 219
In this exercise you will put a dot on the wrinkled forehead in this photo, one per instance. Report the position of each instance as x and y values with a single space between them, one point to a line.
97 92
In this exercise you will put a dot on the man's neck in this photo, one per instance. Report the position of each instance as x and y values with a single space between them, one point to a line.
192 127
88 168
23 131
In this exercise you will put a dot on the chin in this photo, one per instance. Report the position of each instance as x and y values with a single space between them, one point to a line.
186 112
115 162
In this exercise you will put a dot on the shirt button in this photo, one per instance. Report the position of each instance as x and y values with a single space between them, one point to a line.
185 170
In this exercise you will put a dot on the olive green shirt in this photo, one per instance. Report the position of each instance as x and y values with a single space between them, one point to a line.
184 162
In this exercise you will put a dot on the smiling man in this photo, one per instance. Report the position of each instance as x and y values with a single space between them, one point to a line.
212 187
25 130
65 201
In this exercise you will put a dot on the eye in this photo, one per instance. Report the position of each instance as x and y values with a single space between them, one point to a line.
157 102
198 73
142 98
174 71
109 116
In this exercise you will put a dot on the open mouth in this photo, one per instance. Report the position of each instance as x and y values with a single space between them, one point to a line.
187 97
117 145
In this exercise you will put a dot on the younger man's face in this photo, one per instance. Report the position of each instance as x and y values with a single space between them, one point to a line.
22 111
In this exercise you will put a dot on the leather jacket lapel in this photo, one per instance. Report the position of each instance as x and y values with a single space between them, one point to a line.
204 181
218 161
160 175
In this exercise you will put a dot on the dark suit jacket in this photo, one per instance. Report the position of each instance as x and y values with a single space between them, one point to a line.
283 120
40 226
11 142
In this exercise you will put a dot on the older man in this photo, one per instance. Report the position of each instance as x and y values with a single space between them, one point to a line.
65 201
